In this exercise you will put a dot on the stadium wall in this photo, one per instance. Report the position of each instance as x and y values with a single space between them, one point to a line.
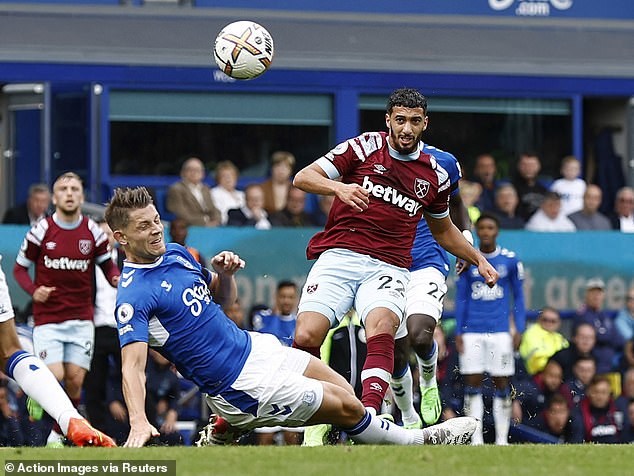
557 264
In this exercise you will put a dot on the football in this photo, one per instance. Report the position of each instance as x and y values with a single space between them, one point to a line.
243 50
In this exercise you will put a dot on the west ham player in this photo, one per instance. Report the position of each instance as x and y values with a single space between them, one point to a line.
38 382
387 180
64 249
425 295
250 379
483 337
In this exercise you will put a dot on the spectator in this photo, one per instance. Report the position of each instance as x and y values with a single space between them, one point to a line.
550 217
582 344
628 352
589 217
570 187
324 203
529 190
35 207
627 395
190 199
545 385
225 195
623 216
63 294
253 212
627 435
542 340
595 420
470 193
484 174
609 343
624 320
506 202
276 188
294 214
178 234
555 419
106 358
583 371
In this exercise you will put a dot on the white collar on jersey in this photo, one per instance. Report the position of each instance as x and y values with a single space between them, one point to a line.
129 264
404 157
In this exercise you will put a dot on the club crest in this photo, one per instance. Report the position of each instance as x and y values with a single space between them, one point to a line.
85 246
421 187
311 288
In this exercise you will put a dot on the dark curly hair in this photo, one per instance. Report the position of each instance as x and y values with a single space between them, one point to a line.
406 97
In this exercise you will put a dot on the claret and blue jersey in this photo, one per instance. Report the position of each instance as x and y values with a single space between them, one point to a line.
482 309
167 304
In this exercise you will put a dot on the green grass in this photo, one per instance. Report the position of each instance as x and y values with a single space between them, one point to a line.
516 460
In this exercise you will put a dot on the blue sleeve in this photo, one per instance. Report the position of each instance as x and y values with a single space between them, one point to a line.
461 302
519 308
132 318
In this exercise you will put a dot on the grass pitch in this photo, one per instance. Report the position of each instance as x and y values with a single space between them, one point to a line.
515 460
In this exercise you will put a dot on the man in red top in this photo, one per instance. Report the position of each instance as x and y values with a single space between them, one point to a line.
64 249
382 183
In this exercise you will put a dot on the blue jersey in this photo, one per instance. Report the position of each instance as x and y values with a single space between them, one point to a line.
167 304
482 309
426 253
282 327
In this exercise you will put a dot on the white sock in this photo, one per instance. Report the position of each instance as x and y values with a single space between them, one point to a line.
375 431
427 367
403 396
502 413
38 382
474 407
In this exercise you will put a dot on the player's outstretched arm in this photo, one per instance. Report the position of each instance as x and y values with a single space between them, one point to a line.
133 362
450 238
223 286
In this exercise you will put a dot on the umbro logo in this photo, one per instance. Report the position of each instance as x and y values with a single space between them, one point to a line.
376 387
379 169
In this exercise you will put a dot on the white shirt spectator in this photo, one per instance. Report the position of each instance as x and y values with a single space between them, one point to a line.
571 192
541 222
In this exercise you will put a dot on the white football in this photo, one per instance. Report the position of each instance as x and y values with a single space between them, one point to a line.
243 50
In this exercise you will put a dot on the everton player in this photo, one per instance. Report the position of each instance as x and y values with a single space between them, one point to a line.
64 249
483 328
164 300
382 182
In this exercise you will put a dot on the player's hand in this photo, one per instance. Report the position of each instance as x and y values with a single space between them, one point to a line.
227 262
488 272
354 195
459 344
42 293
115 281
461 266
140 435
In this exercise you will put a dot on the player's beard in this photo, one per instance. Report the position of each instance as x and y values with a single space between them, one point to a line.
394 142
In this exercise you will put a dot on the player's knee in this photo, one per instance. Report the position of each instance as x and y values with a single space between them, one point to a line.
423 341
307 335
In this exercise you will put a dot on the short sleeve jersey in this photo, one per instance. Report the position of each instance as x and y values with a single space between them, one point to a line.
426 252
64 258
168 305
400 186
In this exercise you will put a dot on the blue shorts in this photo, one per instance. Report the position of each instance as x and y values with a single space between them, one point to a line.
67 342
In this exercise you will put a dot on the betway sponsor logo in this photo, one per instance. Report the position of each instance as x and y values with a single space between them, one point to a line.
390 195
66 263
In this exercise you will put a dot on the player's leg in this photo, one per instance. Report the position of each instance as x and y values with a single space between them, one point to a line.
503 366
425 295
39 383
472 367
401 383
326 296
380 302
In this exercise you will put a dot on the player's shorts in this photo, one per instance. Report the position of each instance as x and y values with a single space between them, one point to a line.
425 295
271 389
487 352
69 342
6 308
342 279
